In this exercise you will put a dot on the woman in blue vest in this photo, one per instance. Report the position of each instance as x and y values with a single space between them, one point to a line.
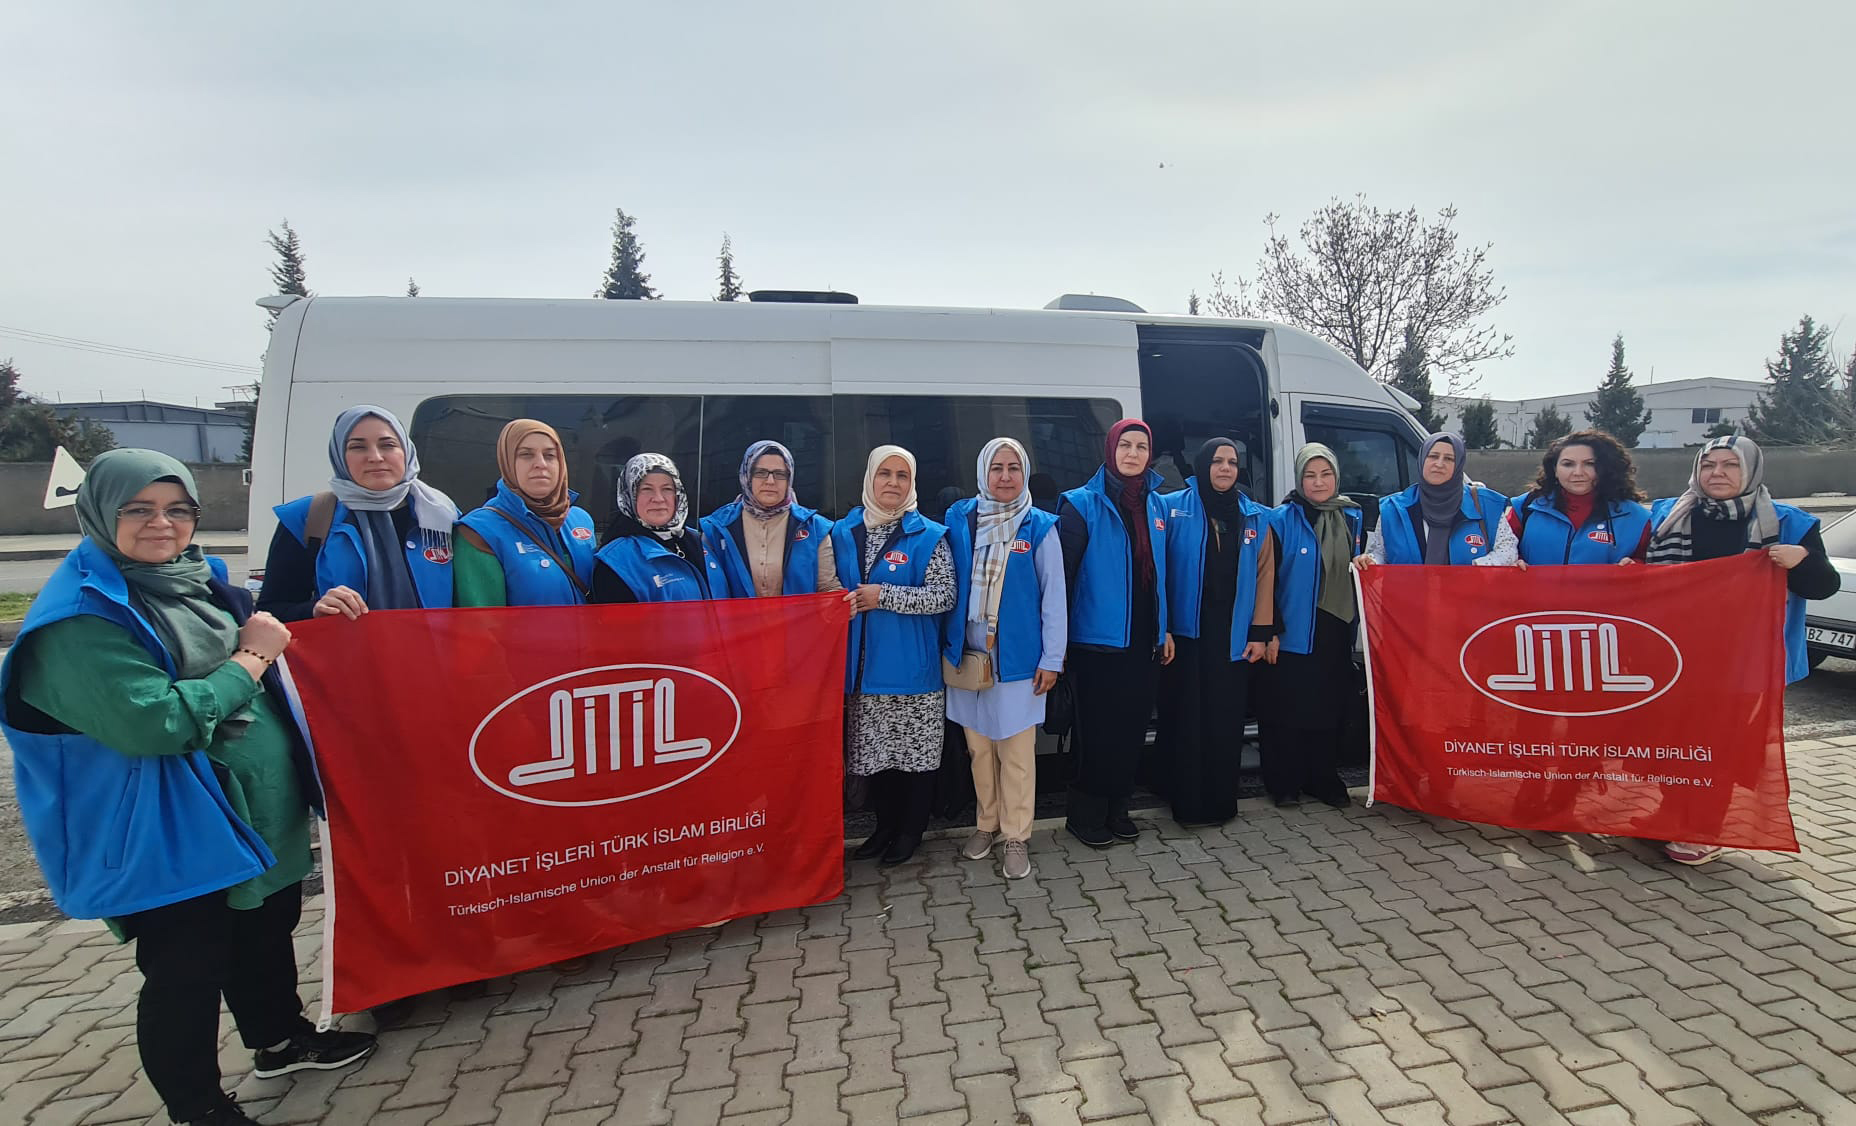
1012 613
1442 519
1113 532
898 574
529 545
1318 532
1727 510
386 544
163 785
1221 605
1584 506
764 541
651 554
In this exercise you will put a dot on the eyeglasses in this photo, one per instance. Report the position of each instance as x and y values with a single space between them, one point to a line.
143 513
780 475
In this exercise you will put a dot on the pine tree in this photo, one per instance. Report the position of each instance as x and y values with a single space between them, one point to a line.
1549 426
1803 406
250 412
10 394
731 282
1411 374
412 288
1192 303
1479 431
1617 409
288 273
1849 391
625 279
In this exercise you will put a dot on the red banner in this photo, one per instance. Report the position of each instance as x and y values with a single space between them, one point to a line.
1635 701
510 787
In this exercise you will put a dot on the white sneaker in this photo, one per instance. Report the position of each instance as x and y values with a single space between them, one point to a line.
978 846
1017 860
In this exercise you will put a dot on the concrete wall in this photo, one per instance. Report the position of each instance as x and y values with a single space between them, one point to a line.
22 497
1791 471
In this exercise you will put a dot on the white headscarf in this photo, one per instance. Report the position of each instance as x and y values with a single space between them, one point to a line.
992 541
635 472
875 515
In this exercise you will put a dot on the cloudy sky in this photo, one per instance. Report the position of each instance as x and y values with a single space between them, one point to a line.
1680 172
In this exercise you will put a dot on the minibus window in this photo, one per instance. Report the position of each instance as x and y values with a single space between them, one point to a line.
1377 450
946 433
456 436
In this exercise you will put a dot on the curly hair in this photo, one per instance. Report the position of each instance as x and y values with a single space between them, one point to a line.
1617 476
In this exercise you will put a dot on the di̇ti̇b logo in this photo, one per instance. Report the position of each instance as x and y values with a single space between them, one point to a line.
1571 662
605 735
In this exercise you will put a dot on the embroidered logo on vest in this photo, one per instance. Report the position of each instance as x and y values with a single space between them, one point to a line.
1475 540
1021 547
1159 524
802 534
1599 535
896 557
582 533
438 555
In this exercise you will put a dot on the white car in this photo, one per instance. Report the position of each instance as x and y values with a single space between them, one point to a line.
1830 625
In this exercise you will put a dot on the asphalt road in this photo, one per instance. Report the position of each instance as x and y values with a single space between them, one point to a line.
1823 704
28 576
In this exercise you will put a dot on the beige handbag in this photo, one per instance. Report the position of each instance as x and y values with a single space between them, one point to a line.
972 674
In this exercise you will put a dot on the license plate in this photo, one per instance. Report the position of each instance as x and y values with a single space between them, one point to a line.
1830 638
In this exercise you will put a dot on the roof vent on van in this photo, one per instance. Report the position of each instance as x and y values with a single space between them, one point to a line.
1094 303
278 302
804 296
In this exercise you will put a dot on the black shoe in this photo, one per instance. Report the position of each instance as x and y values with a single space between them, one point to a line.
1094 837
900 850
313 1051
1284 801
1339 799
877 844
1123 827
226 1113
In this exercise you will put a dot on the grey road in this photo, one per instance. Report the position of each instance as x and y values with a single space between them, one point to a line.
1822 705
28 577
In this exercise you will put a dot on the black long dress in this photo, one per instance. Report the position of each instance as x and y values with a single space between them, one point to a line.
1205 698
1309 698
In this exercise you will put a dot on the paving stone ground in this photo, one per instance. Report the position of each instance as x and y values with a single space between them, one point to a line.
1302 965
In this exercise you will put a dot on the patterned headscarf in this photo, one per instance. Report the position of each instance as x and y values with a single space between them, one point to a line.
1674 540
755 452
635 471
998 526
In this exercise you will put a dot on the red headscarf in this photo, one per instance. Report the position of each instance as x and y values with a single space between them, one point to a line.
1132 495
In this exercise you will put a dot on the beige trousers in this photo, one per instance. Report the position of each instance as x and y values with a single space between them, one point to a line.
1005 782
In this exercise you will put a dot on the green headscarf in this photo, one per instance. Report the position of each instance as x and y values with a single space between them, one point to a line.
174 596
1332 534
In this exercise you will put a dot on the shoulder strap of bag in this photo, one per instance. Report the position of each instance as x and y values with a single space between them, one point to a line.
1482 514
565 569
321 516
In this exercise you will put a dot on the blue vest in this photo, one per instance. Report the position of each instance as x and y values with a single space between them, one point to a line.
530 578
890 654
806 531
1794 525
1021 605
1186 536
343 559
116 833
1100 604
1478 523
1299 573
657 574
1548 537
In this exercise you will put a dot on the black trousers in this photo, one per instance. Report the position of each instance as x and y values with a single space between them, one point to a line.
1114 700
1301 760
901 800
192 954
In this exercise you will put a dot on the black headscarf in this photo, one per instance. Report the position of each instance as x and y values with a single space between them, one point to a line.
1228 505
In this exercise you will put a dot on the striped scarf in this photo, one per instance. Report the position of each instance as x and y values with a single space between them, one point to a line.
1674 539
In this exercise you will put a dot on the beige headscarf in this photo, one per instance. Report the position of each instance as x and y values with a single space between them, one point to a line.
992 546
875 515
551 509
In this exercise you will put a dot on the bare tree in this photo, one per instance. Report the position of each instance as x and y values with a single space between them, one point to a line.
1361 276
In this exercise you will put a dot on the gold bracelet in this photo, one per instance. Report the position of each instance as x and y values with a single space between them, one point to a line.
254 653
